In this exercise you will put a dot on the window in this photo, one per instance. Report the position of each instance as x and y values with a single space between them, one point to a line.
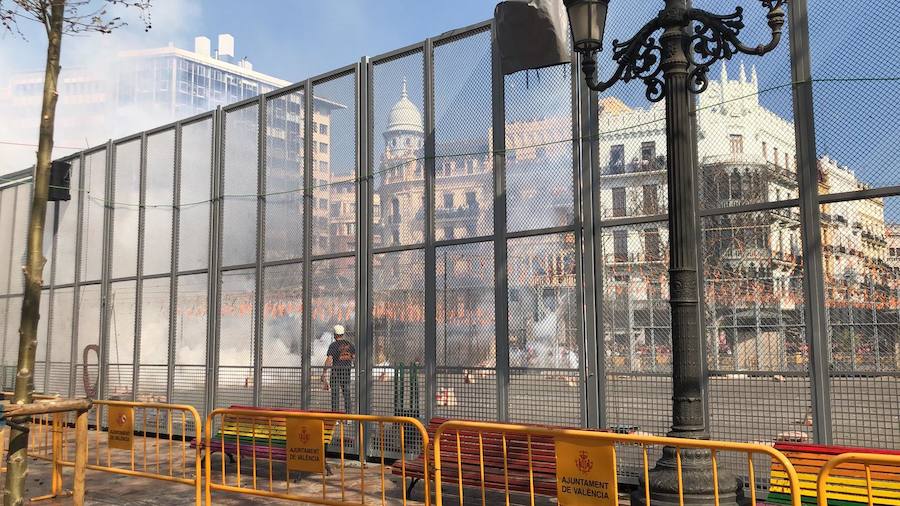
765 151
651 245
736 185
620 245
651 199
448 201
617 158
787 163
471 203
323 147
323 166
448 233
323 203
335 209
775 150
323 129
541 152
618 197
470 166
737 144
648 154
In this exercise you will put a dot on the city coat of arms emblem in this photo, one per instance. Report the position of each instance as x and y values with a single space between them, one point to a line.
584 463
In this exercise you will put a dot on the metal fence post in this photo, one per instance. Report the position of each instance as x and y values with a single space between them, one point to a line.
430 252
106 262
76 286
173 265
306 337
585 131
501 273
215 243
139 284
363 226
259 299
811 235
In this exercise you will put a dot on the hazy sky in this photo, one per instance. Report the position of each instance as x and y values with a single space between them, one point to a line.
291 39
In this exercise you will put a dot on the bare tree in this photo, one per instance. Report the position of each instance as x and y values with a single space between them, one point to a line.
58 17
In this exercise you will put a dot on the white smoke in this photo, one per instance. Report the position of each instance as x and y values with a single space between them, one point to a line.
77 124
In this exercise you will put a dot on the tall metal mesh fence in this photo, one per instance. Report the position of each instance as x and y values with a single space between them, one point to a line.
496 252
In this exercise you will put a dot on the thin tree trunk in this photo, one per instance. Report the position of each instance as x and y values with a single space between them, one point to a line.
17 459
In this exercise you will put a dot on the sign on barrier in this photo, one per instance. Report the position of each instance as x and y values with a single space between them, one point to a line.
121 427
306 450
586 472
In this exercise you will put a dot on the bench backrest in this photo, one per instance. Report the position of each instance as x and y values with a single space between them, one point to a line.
848 482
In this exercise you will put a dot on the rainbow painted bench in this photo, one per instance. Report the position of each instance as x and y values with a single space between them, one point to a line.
262 438
847 485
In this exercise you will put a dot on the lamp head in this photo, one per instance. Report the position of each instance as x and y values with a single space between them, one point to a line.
587 20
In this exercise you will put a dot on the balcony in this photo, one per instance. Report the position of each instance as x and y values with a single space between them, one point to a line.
635 167
456 214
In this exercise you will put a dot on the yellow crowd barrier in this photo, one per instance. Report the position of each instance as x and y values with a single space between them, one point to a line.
525 458
293 445
143 439
856 481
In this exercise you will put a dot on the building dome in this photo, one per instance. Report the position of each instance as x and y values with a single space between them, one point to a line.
405 116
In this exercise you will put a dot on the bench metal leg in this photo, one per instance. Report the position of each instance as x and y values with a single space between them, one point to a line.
412 485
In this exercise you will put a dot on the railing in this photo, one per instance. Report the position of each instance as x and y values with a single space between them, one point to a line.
143 439
579 439
297 441
857 487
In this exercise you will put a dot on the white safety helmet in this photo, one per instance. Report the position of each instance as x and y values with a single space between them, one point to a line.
338 330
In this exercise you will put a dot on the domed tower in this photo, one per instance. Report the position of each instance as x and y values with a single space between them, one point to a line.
401 191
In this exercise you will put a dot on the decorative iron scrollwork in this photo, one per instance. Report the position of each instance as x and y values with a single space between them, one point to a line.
713 38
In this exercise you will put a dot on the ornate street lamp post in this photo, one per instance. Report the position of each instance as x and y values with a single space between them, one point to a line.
672 67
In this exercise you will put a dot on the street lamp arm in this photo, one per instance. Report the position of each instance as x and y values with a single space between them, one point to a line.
717 37
637 58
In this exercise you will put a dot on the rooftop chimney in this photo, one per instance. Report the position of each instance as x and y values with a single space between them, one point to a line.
202 46
226 47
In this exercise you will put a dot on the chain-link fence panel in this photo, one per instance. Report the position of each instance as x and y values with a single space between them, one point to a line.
398 331
239 195
191 318
859 248
93 205
282 336
545 354
87 355
19 236
539 173
194 188
66 229
284 173
159 195
397 150
466 383
463 167
8 216
636 316
334 170
236 338
332 302
121 311
125 209
60 354
40 353
154 340
856 93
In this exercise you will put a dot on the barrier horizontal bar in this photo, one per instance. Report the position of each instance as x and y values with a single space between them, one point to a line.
612 438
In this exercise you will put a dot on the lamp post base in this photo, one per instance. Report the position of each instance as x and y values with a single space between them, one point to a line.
697 482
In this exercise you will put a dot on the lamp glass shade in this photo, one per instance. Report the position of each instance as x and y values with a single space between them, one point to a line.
587 19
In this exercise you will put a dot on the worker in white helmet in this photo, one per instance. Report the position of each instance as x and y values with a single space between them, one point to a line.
339 359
